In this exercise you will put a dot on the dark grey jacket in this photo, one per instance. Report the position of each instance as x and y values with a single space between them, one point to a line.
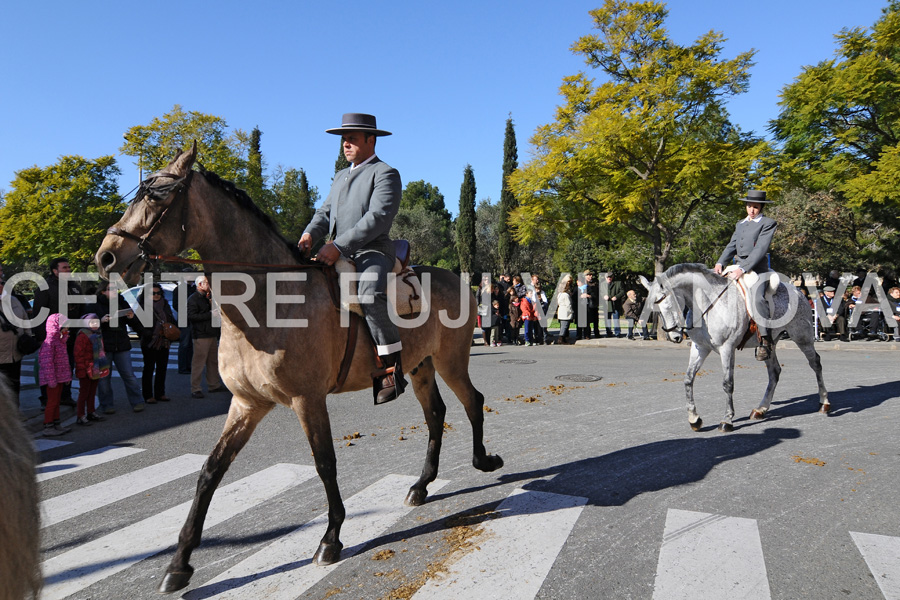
360 209
750 244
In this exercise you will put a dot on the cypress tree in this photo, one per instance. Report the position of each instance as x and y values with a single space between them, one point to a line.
465 223
506 244
341 163
255 166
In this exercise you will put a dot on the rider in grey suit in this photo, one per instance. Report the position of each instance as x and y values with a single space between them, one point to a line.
357 216
750 244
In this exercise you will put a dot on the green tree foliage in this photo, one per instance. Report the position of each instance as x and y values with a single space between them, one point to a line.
60 210
841 117
465 222
341 163
644 150
291 201
840 124
817 232
424 221
487 238
155 144
506 242
255 182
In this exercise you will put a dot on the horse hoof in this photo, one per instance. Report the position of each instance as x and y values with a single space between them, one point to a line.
415 497
757 414
328 554
726 427
825 409
696 425
175 580
487 463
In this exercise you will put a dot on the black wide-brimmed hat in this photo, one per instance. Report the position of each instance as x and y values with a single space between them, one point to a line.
757 196
358 122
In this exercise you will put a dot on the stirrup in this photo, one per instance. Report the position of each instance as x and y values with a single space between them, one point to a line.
764 350
387 385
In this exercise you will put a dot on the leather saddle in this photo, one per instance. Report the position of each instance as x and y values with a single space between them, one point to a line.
404 287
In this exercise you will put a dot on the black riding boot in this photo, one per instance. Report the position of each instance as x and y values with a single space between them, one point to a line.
388 383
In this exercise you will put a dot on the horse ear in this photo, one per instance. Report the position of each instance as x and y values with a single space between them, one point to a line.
644 282
183 161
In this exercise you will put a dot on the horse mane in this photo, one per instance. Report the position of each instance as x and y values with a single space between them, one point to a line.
697 268
244 201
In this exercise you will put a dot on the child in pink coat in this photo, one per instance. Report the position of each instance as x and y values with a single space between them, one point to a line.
55 371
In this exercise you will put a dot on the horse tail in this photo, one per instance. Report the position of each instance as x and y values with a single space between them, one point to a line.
20 572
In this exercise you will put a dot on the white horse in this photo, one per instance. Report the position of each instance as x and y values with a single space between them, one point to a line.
720 322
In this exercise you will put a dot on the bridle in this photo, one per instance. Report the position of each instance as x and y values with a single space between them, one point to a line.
682 329
148 192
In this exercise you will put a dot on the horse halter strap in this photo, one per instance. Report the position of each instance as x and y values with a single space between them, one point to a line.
179 188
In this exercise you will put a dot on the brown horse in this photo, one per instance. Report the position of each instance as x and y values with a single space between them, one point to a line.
178 208
20 572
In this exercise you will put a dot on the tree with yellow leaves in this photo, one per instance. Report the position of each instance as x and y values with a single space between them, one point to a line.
647 150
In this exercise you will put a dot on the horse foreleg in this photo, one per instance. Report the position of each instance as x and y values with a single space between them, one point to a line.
816 364
313 417
434 408
239 426
457 378
727 356
698 355
774 369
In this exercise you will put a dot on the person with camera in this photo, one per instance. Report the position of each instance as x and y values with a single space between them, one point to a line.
155 347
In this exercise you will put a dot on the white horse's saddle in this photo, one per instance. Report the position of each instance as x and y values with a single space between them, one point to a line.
404 288
746 283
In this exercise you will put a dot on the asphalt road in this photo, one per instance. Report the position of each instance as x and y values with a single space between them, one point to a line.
605 491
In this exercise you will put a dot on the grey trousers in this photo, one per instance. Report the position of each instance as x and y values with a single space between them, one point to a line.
375 266
760 306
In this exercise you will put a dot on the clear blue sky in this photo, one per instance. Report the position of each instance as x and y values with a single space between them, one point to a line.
442 76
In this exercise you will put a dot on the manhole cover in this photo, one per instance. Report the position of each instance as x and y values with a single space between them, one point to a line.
579 378
518 361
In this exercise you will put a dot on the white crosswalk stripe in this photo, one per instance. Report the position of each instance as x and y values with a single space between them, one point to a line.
64 466
273 572
96 560
516 551
78 502
882 555
41 444
702 556
28 378
706 556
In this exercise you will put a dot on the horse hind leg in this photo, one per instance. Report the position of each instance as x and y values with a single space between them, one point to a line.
774 369
457 378
426 389
239 426
815 362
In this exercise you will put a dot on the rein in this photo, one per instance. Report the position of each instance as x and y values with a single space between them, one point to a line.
703 314
149 255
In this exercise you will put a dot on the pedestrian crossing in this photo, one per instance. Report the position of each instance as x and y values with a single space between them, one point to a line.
29 366
702 556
